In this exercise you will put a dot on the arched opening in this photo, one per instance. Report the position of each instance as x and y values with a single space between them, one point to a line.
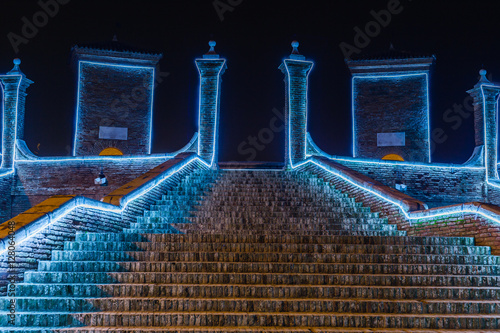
393 157
111 151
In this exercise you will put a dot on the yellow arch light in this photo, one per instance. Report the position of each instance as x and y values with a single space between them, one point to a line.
111 151
393 157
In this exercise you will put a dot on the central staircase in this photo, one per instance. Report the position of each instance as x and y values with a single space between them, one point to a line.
260 251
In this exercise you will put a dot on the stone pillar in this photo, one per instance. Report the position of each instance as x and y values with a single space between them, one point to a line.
210 68
14 85
296 70
485 95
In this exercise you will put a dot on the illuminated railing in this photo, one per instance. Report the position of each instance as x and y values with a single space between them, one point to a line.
116 202
412 210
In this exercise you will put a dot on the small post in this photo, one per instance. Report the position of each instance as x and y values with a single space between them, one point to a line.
14 84
485 95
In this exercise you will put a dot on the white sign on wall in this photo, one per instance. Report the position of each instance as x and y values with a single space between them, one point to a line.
113 133
390 139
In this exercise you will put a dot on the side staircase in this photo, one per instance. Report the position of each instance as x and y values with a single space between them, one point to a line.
260 251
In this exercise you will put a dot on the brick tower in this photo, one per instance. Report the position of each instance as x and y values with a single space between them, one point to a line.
390 106
114 98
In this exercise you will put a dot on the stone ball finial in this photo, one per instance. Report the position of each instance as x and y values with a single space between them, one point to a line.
211 53
17 61
482 72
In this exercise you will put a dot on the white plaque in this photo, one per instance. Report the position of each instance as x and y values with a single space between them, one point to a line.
113 133
390 139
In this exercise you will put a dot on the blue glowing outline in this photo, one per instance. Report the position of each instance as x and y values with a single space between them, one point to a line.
100 158
383 76
102 206
151 111
15 122
353 119
485 138
290 108
216 106
406 214
80 62
166 156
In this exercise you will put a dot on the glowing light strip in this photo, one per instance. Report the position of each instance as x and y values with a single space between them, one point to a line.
451 211
381 77
15 121
151 111
80 62
30 158
384 162
290 108
428 116
77 107
101 158
485 136
353 120
387 162
216 106
103 206
7 173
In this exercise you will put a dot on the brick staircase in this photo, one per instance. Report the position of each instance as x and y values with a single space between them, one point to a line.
260 251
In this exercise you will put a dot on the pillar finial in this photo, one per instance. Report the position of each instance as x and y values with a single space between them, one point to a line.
482 79
295 51
16 69
211 54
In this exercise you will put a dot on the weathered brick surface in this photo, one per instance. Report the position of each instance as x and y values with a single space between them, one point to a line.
485 232
208 132
82 219
114 97
435 186
387 105
296 73
35 182
5 197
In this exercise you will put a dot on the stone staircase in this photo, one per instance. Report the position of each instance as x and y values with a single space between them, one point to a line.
260 251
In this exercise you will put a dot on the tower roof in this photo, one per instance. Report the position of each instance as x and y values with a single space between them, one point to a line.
114 49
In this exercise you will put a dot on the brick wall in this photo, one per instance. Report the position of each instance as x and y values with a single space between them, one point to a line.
114 97
5 197
485 232
387 105
35 182
433 185
40 246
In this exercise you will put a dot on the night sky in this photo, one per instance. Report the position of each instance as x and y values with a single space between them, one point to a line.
254 36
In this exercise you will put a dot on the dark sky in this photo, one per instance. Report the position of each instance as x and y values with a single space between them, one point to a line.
254 36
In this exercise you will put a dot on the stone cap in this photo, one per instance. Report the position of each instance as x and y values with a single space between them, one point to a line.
211 54
390 61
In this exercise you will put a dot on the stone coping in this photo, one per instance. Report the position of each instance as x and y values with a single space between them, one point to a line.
407 202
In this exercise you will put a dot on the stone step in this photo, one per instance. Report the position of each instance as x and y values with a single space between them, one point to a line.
278 268
282 232
192 218
372 275
156 304
288 221
224 225
259 291
272 257
282 319
273 239
274 204
445 250
241 329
